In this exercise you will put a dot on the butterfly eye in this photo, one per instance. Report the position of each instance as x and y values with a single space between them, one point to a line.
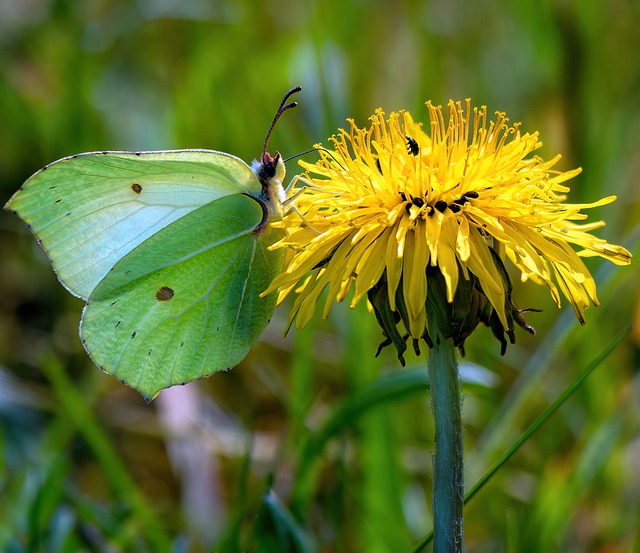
268 166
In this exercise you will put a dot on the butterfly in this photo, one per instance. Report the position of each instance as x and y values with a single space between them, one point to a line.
170 251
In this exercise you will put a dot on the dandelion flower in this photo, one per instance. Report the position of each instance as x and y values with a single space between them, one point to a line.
422 224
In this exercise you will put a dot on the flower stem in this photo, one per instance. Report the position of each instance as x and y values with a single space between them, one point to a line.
448 480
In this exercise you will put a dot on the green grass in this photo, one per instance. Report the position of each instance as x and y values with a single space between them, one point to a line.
312 444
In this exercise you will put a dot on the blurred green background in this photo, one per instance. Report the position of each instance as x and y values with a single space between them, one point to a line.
312 444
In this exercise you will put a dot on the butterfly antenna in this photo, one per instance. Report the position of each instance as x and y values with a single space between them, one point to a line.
281 109
321 149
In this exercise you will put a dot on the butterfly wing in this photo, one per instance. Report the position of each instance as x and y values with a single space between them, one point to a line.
185 303
89 211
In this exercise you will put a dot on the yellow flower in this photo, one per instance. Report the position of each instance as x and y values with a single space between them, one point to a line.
422 223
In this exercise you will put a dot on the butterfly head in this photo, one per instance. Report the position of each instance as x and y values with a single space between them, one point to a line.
270 169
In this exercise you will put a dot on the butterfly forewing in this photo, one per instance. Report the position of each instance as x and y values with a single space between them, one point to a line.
89 211
185 303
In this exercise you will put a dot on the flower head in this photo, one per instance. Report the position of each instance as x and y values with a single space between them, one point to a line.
422 224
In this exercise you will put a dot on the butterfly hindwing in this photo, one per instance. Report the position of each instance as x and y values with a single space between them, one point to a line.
185 303
88 211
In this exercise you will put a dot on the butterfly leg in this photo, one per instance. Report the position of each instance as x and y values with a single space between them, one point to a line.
289 201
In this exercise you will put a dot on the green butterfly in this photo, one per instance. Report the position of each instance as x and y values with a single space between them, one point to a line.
169 250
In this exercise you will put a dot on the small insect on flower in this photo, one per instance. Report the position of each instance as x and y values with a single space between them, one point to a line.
422 224
412 146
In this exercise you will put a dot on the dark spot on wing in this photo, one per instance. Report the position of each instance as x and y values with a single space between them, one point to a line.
58 201
164 294
133 334
118 324
136 188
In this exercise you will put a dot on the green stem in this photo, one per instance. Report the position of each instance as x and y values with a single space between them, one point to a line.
448 480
